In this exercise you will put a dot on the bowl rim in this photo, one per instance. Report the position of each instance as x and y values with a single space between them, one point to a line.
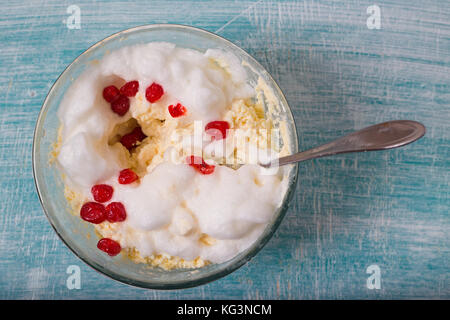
188 283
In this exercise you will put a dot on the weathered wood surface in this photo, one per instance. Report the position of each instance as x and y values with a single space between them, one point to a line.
351 211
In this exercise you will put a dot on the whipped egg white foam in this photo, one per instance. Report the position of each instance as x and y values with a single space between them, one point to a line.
172 206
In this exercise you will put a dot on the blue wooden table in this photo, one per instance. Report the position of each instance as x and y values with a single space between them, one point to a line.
368 226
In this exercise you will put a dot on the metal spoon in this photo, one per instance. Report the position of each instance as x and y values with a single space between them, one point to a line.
382 136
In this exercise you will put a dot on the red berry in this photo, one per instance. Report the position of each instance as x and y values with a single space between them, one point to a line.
130 89
217 129
121 105
115 212
110 93
130 140
109 246
127 176
177 110
200 165
137 132
102 192
93 212
154 92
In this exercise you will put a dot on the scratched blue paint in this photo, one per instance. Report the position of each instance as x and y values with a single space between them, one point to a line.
350 211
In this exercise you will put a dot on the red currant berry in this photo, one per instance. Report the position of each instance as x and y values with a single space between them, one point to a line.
177 111
93 212
127 176
115 212
154 92
110 93
109 246
200 165
121 105
130 89
217 129
102 192
131 139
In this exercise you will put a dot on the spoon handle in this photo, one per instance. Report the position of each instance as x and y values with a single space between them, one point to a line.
382 136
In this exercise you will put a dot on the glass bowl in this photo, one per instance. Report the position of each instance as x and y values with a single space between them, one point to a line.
78 235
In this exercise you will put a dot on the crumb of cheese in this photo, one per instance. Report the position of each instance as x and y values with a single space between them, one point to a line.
207 240
56 147
165 261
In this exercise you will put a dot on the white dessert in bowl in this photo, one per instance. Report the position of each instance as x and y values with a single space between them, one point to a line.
169 207
132 156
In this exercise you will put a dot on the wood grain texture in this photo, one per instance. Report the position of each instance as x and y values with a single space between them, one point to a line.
350 211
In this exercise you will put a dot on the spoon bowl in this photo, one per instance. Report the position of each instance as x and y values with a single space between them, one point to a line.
382 136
